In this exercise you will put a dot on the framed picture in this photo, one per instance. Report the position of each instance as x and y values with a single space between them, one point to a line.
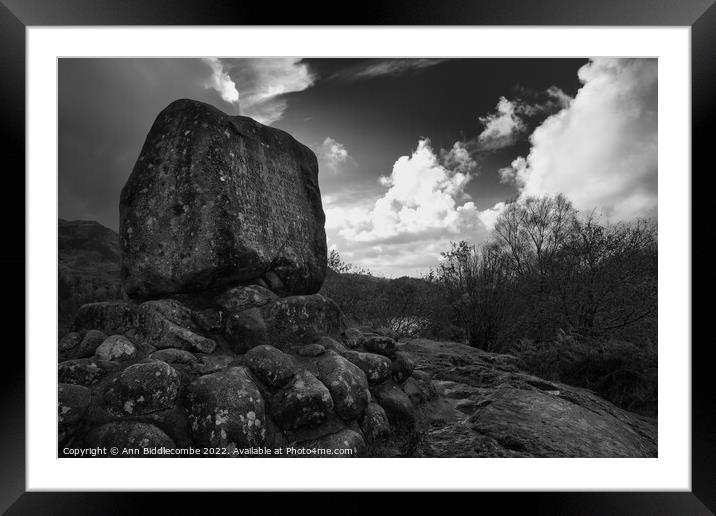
445 248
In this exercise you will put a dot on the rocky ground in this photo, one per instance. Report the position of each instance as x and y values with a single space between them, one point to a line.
489 408
162 374
248 369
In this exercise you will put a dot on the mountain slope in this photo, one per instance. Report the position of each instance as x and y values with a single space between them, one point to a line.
88 267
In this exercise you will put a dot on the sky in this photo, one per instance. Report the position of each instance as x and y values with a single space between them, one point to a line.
413 153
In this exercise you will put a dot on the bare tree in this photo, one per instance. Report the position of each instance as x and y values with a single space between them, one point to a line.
607 275
474 280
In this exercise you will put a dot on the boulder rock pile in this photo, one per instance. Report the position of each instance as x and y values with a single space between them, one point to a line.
224 344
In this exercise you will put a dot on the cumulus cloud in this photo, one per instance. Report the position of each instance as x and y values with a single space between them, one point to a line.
489 216
221 81
509 174
601 150
334 155
259 85
507 124
378 68
502 128
423 197
459 158
423 206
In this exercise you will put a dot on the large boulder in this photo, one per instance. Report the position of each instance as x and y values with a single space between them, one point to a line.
246 330
163 323
74 345
238 299
72 403
402 366
167 323
110 317
397 405
218 200
174 356
297 320
270 365
226 409
207 364
377 368
347 384
84 371
116 348
343 444
129 435
379 344
142 389
374 423
303 401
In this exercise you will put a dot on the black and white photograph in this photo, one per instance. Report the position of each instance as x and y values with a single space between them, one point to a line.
357 257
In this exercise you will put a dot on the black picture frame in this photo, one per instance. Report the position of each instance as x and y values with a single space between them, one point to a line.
16 15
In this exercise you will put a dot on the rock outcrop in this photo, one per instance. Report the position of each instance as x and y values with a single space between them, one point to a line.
216 200
486 407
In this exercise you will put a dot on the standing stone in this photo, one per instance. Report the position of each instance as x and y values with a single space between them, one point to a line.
217 200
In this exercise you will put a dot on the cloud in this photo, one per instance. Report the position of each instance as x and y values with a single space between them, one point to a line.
334 155
423 207
489 216
509 174
423 196
259 85
531 103
387 67
502 128
221 81
507 124
459 158
601 150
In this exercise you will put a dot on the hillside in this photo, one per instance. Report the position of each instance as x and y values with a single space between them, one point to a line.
88 267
